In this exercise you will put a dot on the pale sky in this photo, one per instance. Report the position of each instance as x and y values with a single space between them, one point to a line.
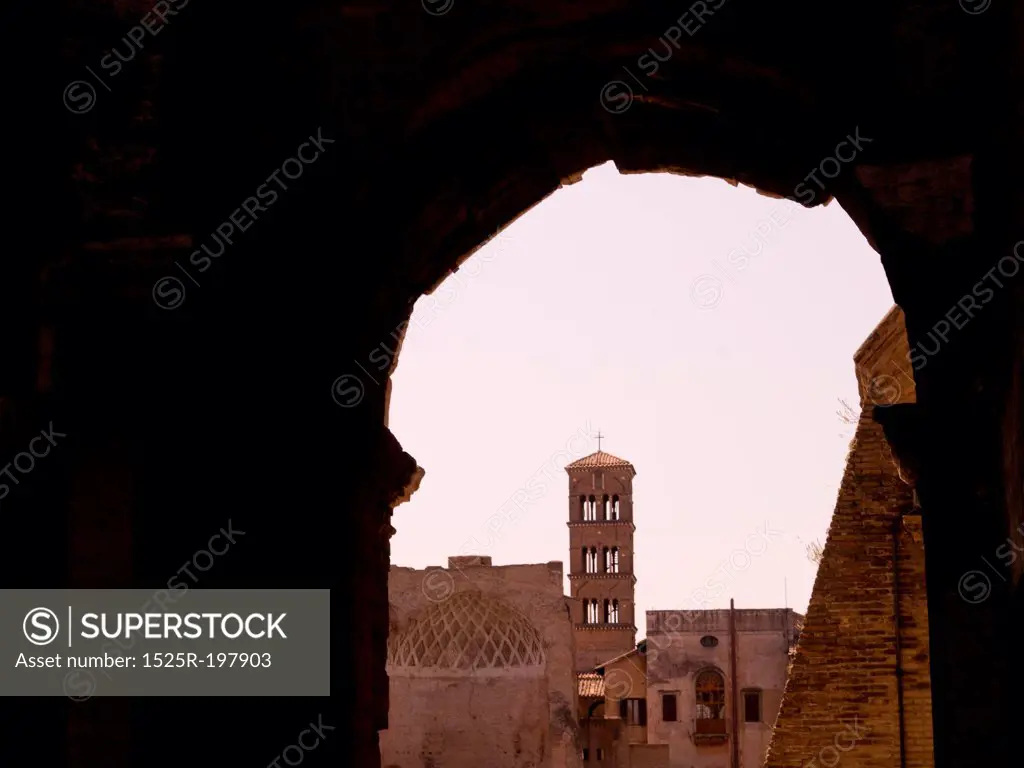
595 310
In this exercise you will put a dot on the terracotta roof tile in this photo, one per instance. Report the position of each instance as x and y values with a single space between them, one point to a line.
599 459
591 685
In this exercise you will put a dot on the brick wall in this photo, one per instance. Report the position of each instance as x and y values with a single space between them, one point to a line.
841 700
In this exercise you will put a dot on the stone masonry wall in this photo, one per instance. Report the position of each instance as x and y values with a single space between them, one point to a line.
841 700
519 717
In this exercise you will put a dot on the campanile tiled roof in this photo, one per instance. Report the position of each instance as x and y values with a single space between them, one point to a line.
602 460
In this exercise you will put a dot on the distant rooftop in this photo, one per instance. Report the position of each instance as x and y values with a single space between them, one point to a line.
717 619
591 685
602 460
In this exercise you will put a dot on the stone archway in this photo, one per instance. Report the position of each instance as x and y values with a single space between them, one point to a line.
159 400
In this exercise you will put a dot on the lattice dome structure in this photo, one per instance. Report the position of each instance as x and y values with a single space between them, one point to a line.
467 633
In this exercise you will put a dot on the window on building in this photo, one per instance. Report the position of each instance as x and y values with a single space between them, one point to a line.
606 507
752 706
633 711
586 754
611 560
668 707
582 507
611 611
593 616
600 754
710 690
590 509
615 508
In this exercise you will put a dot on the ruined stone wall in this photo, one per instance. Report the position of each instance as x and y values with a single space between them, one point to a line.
841 700
450 723
516 715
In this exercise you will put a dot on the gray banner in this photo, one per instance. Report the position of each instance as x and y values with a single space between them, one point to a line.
82 643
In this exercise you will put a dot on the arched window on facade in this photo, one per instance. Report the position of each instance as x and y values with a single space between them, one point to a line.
710 690
606 507
581 509
590 509
615 508
591 559
611 560
593 615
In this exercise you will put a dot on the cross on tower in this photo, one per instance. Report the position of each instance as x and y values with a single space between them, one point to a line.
599 436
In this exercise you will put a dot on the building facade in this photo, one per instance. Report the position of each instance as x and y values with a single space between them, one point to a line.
480 667
601 578
613 706
715 679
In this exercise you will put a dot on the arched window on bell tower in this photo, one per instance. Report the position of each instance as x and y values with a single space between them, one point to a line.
611 560
611 611
615 508
606 507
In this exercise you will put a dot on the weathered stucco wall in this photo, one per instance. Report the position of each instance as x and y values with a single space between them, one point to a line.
842 698
675 656
518 714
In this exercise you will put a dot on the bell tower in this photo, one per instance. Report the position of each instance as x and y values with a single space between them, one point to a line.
601 557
